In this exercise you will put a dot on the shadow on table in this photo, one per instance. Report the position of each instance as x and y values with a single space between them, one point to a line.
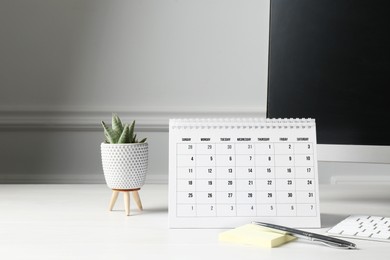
330 220
155 210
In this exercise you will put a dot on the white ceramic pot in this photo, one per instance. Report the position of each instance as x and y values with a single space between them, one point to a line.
125 165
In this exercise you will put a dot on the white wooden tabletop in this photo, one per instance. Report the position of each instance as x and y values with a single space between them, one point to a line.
73 222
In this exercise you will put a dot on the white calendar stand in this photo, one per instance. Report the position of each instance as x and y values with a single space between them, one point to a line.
227 172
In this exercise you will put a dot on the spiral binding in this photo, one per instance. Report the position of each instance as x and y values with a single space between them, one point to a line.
240 123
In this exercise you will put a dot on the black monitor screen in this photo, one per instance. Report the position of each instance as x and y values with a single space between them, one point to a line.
330 60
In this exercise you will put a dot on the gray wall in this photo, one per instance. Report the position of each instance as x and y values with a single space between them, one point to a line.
66 65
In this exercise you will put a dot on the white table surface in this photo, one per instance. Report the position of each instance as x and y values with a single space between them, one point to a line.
73 222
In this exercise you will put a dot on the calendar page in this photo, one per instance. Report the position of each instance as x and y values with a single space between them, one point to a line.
228 172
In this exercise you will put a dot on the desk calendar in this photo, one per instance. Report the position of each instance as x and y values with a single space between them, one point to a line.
227 172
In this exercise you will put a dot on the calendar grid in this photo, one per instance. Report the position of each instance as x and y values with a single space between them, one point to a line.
215 194
195 184
250 173
295 185
235 187
255 170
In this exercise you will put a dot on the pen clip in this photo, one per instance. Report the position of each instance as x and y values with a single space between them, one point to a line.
333 244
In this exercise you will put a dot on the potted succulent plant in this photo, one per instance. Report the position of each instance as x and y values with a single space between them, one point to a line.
124 160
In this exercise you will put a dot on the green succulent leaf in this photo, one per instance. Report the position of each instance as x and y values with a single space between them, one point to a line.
131 133
125 137
111 135
117 125
120 133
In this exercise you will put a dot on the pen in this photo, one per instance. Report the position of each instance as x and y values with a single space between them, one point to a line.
329 241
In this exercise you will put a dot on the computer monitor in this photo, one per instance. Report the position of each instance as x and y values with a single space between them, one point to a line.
330 60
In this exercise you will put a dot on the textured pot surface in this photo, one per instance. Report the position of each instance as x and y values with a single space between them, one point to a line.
124 165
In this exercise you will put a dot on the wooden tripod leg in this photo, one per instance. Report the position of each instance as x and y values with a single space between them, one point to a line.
114 196
137 200
127 202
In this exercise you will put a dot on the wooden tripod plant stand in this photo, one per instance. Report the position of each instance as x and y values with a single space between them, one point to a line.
126 194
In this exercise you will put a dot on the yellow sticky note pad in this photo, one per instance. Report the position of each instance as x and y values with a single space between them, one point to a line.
255 235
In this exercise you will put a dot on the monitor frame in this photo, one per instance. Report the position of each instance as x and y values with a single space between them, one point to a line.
355 153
